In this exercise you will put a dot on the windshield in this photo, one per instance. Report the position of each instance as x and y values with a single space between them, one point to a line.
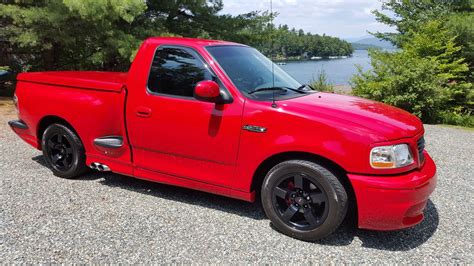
250 71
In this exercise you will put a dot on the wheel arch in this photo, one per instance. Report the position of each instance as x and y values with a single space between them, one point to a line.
48 120
336 169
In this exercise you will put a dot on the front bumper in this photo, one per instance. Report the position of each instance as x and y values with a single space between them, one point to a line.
394 202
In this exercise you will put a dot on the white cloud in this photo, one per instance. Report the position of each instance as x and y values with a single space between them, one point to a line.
341 18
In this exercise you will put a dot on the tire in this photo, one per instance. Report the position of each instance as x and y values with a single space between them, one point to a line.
304 200
63 151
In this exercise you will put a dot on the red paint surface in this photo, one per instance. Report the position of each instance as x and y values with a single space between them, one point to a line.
207 89
201 145
388 203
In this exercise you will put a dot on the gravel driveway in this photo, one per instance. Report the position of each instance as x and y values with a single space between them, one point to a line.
111 218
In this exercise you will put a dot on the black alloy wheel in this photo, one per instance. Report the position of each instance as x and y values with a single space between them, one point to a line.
59 151
300 202
303 199
63 151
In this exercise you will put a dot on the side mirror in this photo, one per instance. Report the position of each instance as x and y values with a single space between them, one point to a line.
209 91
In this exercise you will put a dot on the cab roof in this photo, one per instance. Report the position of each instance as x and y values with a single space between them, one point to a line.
188 41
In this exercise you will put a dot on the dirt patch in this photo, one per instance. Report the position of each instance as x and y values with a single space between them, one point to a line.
7 108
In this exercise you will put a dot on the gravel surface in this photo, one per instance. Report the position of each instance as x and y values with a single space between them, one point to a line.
109 218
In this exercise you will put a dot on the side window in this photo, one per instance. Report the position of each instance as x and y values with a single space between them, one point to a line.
176 71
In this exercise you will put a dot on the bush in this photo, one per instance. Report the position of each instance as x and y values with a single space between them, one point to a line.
453 118
403 81
426 77
321 82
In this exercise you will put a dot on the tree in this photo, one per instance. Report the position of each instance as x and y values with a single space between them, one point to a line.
431 74
460 24
82 34
409 16
188 18
105 34
426 77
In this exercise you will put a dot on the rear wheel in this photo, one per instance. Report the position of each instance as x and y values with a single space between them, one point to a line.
304 200
63 151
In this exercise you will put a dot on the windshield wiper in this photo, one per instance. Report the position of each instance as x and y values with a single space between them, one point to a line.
298 90
268 89
278 89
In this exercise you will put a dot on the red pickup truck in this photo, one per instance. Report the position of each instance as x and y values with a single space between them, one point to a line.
220 117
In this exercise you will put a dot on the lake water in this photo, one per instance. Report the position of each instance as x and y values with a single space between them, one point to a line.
338 71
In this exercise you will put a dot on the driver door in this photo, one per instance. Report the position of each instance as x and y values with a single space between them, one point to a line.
176 135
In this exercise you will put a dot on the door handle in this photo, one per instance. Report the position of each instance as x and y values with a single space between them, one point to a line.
143 112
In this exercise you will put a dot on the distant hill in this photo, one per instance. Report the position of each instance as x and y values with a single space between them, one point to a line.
371 42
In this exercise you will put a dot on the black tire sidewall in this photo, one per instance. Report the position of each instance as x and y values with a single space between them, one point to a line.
337 198
78 153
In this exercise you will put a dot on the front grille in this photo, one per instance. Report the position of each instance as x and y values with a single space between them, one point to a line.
421 146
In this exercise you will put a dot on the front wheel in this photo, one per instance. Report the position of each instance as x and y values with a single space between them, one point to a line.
304 200
63 151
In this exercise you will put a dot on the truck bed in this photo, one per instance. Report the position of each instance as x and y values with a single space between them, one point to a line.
93 102
107 81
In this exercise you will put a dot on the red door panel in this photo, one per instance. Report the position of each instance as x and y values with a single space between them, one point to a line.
173 133
187 138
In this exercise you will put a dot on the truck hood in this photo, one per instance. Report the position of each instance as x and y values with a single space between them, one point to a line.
384 120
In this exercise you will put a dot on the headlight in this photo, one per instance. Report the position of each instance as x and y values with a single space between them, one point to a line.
391 156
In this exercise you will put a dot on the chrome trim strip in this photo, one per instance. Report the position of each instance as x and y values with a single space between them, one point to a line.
256 129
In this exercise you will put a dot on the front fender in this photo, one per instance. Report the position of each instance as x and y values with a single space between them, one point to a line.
340 142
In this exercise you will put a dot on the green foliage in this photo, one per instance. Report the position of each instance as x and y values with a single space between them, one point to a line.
320 83
432 74
461 25
457 17
71 34
105 34
410 15
455 118
293 43
426 77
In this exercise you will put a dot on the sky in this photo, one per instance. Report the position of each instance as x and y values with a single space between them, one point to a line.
348 19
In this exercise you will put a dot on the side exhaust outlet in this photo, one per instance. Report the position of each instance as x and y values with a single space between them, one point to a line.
100 167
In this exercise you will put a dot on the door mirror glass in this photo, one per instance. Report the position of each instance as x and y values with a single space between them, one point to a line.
207 91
